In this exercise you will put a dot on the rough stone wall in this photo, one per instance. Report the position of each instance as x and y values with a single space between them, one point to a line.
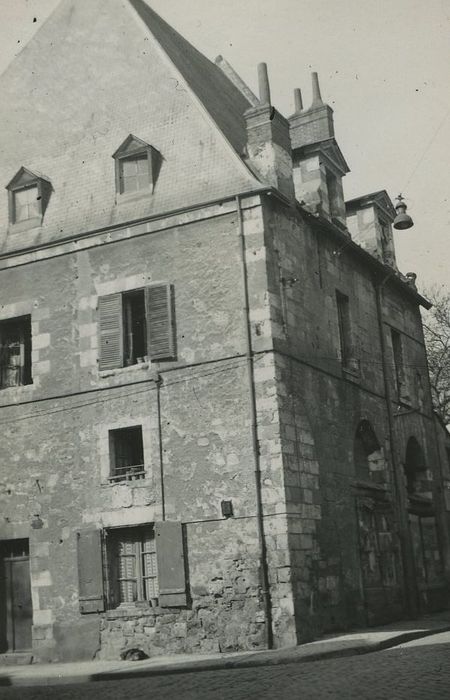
204 457
320 407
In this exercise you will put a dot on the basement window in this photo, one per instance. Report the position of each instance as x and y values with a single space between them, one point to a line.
126 451
132 565
15 352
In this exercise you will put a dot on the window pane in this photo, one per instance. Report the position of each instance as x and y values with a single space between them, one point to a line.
129 167
129 184
142 164
134 173
26 204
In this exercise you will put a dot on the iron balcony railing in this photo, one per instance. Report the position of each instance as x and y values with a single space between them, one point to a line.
128 473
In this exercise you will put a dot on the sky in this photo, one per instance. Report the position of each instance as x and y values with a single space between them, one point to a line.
384 67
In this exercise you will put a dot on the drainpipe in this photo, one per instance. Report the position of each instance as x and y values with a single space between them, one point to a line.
264 574
158 382
409 574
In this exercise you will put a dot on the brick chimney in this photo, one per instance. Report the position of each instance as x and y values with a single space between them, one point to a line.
268 141
369 220
318 163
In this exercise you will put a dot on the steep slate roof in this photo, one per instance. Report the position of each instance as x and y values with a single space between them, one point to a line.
222 99
96 71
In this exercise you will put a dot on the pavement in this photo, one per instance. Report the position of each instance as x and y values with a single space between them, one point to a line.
327 647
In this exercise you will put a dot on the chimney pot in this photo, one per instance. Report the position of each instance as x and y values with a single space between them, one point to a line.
264 86
298 100
317 97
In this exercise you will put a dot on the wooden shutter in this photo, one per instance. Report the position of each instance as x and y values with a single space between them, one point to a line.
160 322
171 566
110 331
90 572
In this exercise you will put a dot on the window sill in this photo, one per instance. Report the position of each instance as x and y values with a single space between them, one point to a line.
12 390
142 480
105 373
134 610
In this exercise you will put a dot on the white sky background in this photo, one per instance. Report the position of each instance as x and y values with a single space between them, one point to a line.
384 67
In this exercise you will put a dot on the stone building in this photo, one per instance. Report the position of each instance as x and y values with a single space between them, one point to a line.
217 431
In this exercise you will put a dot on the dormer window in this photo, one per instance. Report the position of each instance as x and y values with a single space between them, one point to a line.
29 194
137 167
26 203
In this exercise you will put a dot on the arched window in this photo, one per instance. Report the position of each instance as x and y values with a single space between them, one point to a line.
366 452
415 468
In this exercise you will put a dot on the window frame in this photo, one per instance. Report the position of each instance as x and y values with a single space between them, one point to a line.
137 155
129 472
349 363
134 148
24 333
23 180
112 330
138 536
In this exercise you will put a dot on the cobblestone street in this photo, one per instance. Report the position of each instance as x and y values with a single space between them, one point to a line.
417 671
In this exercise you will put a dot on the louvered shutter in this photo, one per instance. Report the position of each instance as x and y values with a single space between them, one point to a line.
171 566
127 570
90 572
159 311
110 331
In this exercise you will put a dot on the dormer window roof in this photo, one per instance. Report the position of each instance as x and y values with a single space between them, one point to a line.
29 194
137 167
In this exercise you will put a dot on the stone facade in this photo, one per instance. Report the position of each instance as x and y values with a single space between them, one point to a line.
288 434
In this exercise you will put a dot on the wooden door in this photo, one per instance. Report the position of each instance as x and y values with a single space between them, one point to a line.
17 611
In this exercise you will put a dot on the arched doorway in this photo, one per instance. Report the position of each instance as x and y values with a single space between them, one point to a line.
378 545
422 524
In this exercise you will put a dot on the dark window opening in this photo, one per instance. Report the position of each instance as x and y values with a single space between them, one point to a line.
399 369
134 173
126 454
132 565
384 240
343 311
415 469
135 327
333 194
366 452
15 352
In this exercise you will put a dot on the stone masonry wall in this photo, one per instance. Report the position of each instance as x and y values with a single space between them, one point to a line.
320 406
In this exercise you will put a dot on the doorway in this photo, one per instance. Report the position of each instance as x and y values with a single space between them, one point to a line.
16 610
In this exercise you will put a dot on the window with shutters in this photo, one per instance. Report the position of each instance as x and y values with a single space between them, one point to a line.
126 451
136 327
137 167
132 565
15 352
29 195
